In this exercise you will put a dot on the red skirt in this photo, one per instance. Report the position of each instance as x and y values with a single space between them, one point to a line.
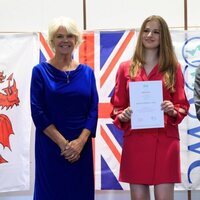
150 158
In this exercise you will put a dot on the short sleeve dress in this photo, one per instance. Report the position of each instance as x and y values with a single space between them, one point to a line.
69 100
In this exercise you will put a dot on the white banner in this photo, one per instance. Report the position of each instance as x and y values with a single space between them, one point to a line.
18 54
187 47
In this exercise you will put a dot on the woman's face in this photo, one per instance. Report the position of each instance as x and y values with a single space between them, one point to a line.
63 42
151 35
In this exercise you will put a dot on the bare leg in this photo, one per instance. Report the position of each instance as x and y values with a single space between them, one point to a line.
139 192
164 191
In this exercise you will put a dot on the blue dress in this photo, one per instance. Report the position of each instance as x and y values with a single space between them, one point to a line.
69 100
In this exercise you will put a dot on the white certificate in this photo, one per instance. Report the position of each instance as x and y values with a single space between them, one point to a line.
145 101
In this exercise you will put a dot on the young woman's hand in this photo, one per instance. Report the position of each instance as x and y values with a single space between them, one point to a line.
168 107
125 116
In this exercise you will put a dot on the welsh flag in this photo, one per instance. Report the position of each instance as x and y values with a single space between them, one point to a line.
18 54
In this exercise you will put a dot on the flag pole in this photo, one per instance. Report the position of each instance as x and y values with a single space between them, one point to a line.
186 28
185 16
84 15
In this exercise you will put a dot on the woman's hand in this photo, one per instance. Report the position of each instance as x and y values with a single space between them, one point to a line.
168 107
74 148
77 146
125 115
70 153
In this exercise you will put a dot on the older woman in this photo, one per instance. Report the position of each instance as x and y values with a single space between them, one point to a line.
64 106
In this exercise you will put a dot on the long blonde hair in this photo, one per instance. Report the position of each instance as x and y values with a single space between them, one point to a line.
167 60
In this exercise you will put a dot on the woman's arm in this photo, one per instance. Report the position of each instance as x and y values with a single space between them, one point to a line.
180 103
120 99
197 92
38 107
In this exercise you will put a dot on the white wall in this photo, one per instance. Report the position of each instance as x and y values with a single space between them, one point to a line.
104 14
23 15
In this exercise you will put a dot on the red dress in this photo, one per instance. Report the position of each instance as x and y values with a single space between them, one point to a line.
149 156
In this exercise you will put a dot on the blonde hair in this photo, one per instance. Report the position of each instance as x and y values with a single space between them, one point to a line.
68 24
167 60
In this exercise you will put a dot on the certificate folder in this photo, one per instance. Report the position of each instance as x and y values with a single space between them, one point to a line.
145 101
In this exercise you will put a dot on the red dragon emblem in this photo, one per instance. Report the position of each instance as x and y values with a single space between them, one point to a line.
8 98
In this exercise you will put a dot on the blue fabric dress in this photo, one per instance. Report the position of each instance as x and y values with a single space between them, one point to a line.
69 100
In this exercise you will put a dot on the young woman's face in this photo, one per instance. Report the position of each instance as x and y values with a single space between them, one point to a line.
63 42
151 35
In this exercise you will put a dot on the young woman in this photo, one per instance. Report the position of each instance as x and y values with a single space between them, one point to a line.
151 156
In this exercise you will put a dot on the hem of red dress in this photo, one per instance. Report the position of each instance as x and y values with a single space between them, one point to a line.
150 183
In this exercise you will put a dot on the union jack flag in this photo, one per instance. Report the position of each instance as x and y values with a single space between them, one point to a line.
103 51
